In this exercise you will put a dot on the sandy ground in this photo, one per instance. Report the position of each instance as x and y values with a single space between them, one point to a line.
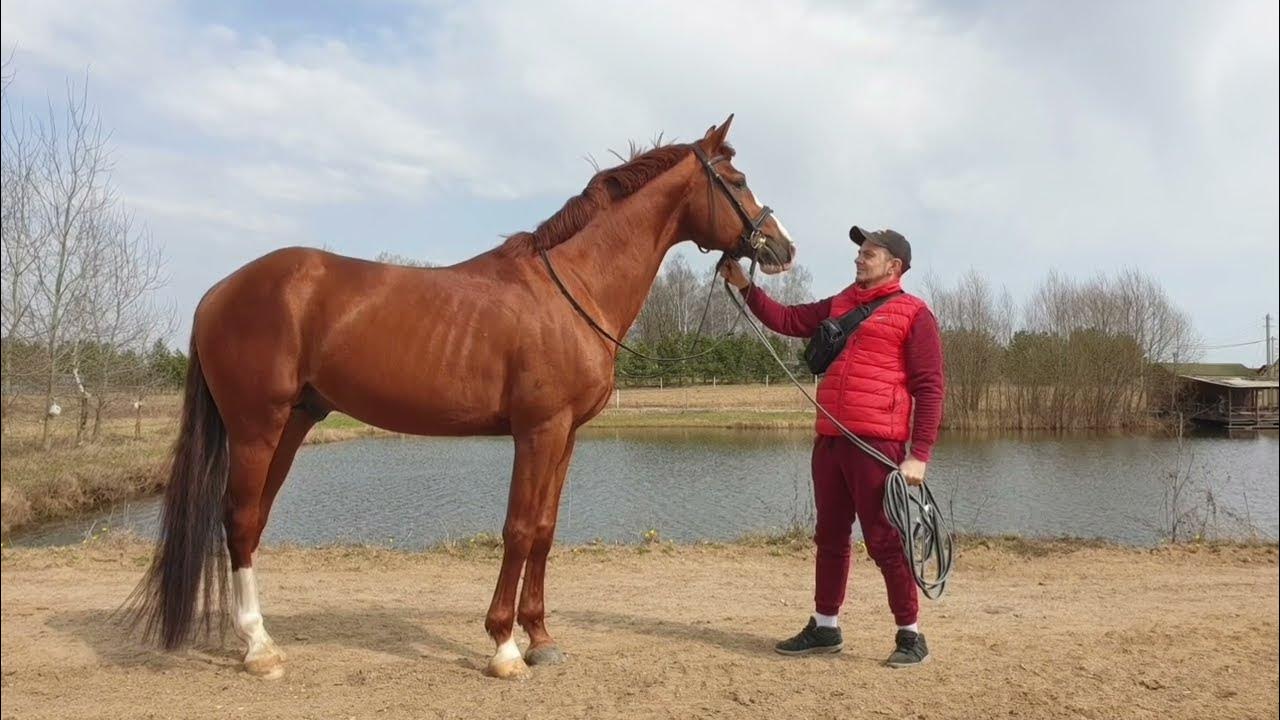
1027 631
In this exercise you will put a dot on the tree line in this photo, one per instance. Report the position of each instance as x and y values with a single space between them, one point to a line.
1076 353
79 314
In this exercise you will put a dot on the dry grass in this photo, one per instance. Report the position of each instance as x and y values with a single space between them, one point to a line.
68 478
39 485
754 398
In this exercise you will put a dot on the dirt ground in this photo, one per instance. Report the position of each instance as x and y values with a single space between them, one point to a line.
1027 631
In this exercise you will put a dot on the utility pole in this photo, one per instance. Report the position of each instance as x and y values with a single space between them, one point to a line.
1270 357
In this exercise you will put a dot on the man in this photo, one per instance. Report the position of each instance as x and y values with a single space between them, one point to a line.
886 387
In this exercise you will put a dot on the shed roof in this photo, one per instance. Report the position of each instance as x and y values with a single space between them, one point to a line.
1252 383
1210 369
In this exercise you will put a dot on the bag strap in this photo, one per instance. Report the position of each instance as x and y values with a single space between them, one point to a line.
850 321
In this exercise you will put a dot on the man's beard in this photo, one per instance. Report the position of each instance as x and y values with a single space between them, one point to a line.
868 279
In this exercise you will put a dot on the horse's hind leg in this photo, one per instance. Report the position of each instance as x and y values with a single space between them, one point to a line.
251 459
300 422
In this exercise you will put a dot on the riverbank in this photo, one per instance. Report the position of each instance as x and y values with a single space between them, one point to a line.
68 480
1028 629
128 460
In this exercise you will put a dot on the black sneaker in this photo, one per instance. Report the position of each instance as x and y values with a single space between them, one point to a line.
811 640
911 650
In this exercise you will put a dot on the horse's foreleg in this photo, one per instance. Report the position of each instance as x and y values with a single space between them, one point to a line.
538 454
542 648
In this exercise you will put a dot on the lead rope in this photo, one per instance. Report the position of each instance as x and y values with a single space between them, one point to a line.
916 516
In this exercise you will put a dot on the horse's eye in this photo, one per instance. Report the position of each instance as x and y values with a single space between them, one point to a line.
741 184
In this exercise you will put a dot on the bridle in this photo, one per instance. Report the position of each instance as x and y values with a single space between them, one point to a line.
752 239
750 243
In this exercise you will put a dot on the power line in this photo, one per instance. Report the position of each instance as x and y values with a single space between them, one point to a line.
1231 345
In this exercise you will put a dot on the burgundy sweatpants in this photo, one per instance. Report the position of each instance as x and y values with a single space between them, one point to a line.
849 484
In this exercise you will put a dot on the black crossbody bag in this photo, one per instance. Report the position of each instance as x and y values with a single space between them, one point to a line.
832 334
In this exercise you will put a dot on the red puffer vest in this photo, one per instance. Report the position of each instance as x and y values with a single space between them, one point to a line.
865 388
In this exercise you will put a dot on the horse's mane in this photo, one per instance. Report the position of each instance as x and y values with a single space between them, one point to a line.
604 188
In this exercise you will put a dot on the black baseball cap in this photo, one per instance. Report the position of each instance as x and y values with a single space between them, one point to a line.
890 240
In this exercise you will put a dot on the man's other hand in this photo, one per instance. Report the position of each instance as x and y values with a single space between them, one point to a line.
913 471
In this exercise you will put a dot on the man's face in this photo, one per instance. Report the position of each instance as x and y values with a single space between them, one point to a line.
875 264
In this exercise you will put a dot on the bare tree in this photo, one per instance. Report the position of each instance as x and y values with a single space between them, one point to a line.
974 327
71 190
1099 339
671 308
19 254
789 288
394 259
121 318
79 278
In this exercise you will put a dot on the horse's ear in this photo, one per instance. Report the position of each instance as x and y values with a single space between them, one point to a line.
716 135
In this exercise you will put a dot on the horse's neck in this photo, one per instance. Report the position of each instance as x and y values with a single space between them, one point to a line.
616 258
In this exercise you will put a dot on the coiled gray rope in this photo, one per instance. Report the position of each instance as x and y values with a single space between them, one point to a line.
924 534
916 517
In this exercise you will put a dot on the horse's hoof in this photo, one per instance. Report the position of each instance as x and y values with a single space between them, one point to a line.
514 669
544 655
267 664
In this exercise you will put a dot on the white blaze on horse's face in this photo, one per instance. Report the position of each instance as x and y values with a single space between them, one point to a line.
782 230
785 235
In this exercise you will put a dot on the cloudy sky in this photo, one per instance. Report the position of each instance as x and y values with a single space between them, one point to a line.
1010 137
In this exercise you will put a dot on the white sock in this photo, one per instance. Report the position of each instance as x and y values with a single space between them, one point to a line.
913 627
826 620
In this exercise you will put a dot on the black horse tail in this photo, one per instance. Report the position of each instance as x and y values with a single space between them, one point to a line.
188 571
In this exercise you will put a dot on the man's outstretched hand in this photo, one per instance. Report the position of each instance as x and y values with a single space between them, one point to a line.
730 270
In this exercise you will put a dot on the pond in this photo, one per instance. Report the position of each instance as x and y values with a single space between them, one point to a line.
723 484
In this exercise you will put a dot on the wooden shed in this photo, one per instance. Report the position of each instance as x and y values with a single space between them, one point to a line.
1226 395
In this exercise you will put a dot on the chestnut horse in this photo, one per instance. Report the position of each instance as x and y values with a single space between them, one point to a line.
510 342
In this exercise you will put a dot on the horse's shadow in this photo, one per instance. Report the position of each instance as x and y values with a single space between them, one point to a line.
402 632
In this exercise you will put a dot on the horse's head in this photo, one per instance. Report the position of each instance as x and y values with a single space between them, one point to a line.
724 214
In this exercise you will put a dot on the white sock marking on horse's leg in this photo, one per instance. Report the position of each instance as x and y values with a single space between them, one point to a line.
507 651
247 613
